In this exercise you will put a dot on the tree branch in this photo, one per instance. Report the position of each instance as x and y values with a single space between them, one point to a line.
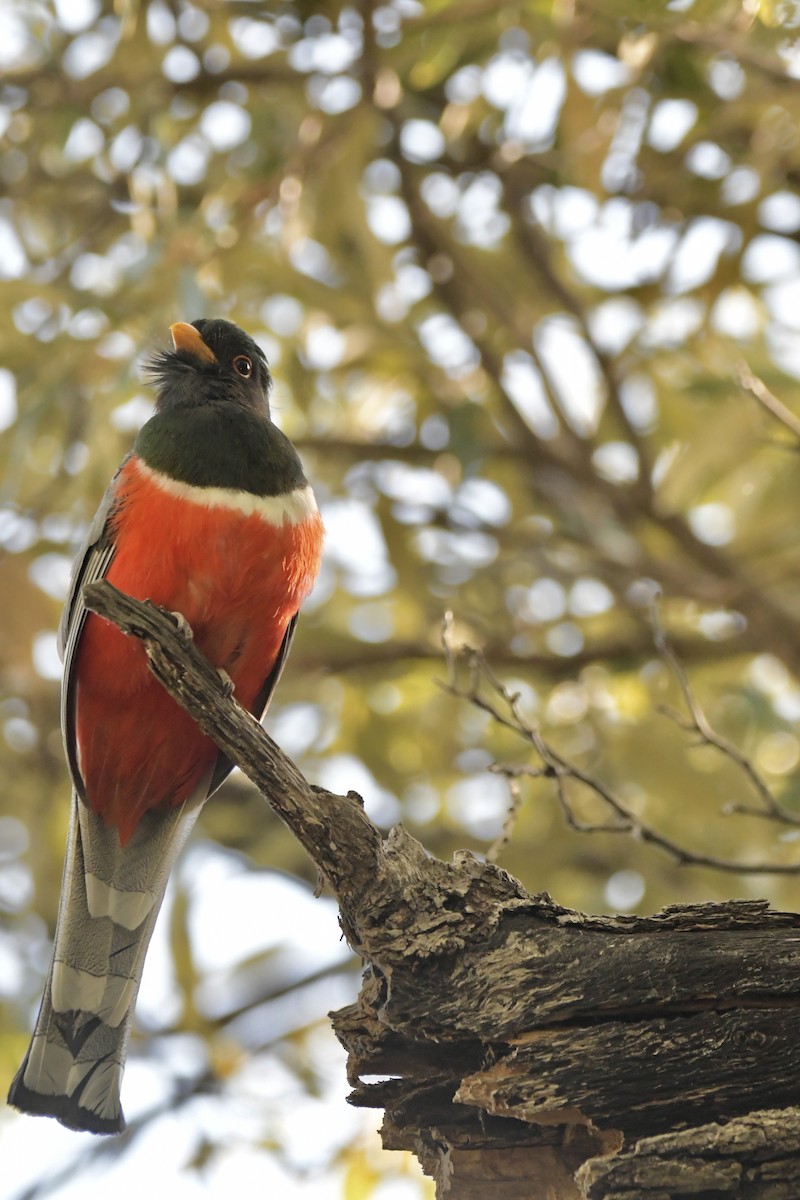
483 1003
699 723
503 707
334 830
767 399
381 886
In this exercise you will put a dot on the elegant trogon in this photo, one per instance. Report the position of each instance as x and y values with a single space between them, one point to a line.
211 516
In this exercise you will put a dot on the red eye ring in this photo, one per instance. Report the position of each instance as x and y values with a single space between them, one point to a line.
243 366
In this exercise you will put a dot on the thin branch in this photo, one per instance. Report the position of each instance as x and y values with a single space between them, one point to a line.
509 824
360 450
553 666
698 723
561 770
345 967
767 399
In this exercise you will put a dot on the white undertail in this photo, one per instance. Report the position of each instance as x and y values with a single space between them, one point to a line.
110 899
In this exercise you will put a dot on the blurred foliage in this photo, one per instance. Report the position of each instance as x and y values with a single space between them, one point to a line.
504 259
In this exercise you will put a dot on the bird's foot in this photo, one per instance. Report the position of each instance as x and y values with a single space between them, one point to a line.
184 628
227 683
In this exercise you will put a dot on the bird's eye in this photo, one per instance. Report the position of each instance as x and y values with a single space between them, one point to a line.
243 366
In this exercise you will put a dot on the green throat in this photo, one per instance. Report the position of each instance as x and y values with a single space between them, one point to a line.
221 445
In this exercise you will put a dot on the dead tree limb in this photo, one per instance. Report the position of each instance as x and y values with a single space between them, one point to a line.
520 1049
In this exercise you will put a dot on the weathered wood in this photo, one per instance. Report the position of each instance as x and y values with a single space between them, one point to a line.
520 1049
547 971
647 1076
756 1157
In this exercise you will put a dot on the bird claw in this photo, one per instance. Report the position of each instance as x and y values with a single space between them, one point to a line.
183 626
227 683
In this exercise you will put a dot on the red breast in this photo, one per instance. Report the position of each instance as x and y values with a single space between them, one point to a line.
238 568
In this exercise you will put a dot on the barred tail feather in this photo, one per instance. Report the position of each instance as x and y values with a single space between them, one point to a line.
110 897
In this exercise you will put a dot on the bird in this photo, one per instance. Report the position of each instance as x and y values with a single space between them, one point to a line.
211 516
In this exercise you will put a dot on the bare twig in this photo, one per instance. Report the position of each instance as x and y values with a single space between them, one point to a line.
503 707
506 833
698 723
767 399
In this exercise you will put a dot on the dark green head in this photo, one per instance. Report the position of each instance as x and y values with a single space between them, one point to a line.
212 362
212 425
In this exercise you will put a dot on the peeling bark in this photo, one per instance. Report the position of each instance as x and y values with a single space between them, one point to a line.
520 1049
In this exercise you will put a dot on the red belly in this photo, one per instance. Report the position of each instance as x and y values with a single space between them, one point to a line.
238 580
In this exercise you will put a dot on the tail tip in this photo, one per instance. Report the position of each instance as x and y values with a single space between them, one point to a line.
66 1110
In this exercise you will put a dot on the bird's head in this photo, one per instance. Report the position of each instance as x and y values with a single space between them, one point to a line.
211 362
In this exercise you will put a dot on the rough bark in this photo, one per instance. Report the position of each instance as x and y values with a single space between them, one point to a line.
520 1049
753 1156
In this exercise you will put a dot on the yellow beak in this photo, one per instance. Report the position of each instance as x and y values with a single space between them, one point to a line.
185 337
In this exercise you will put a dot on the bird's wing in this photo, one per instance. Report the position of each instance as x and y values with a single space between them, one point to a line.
223 765
92 563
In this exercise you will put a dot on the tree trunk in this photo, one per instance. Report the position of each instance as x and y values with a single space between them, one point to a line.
559 1055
